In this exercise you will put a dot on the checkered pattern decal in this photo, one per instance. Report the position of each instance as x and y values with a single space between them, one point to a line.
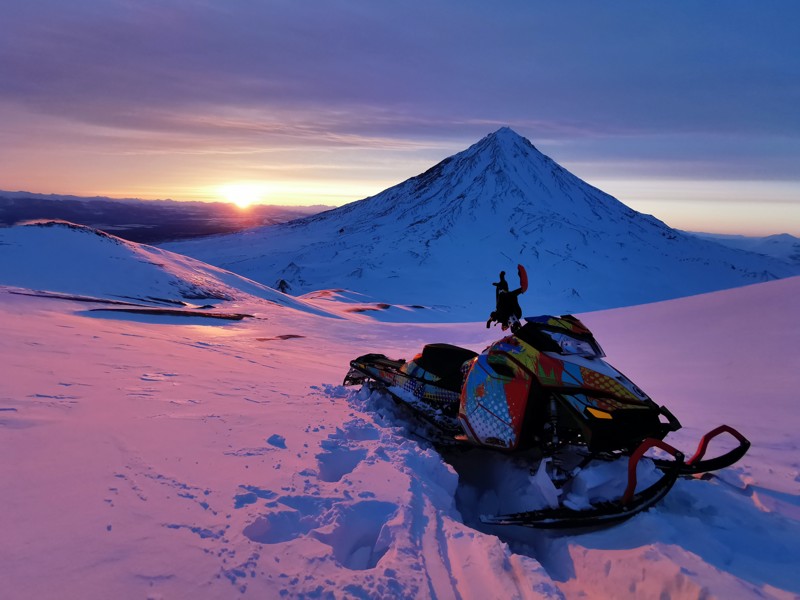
493 406
600 382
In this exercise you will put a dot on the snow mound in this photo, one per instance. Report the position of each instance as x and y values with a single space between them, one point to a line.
66 258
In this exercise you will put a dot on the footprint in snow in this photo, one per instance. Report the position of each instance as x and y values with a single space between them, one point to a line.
359 535
342 450
338 462
356 530
292 516
250 494
277 440
279 526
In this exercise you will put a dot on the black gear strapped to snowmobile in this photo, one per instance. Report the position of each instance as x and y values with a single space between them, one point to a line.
544 387
507 310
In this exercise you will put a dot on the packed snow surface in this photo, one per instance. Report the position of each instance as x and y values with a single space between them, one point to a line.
173 456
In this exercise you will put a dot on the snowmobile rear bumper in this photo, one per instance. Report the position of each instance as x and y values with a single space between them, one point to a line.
354 377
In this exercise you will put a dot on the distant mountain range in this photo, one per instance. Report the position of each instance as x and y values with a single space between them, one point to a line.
145 221
440 239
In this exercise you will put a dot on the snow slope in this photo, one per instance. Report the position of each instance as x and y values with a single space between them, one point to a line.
440 238
160 457
62 257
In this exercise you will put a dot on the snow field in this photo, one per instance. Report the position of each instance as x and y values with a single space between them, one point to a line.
224 460
153 456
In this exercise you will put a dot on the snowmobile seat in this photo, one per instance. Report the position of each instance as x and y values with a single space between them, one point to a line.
445 361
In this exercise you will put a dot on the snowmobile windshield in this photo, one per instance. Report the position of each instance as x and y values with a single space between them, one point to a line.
568 344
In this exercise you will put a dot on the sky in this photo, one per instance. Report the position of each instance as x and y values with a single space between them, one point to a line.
686 110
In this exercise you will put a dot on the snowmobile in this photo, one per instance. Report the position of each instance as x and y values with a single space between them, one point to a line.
544 387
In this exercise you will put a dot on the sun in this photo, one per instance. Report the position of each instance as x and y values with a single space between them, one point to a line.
242 195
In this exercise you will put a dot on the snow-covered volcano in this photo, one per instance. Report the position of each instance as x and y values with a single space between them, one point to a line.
440 238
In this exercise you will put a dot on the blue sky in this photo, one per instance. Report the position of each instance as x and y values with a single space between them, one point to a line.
687 110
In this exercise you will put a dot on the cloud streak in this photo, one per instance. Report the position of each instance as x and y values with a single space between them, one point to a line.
684 66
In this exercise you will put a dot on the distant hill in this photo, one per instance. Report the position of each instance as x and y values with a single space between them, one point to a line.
65 258
783 246
146 221
440 239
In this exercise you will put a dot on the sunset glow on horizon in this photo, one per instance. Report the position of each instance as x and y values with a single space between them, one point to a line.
243 195
683 111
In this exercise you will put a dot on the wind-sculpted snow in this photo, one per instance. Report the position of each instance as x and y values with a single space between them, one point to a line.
440 238
169 460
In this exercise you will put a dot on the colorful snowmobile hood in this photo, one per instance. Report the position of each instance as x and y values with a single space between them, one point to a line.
608 406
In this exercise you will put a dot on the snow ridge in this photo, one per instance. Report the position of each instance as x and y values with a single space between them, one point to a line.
226 461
